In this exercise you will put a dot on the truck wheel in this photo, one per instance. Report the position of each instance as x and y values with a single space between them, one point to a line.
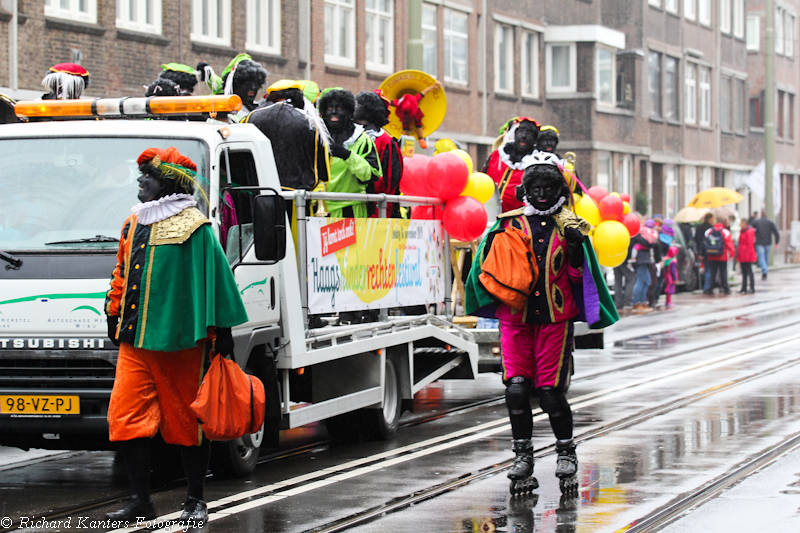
381 424
236 458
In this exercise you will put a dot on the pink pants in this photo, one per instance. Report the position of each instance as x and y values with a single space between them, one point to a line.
540 353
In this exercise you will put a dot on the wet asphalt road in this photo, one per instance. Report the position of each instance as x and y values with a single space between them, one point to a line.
674 403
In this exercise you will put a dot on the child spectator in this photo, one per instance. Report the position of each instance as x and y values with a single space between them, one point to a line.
645 253
746 255
670 274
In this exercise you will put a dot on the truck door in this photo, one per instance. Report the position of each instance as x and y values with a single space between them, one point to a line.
257 282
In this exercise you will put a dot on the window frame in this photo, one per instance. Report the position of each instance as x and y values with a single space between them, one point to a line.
338 7
726 103
725 8
788 34
605 159
388 17
450 36
503 31
739 97
690 9
704 12
704 94
656 3
655 86
573 69
789 110
739 17
73 12
612 102
671 6
671 186
780 115
777 25
435 29
272 26
124 7
689 178
197 23
529 64
672 90
690 92
753 33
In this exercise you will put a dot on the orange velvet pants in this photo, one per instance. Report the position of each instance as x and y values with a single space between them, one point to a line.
153 391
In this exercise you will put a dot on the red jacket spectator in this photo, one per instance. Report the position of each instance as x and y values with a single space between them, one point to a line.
747 246
729 250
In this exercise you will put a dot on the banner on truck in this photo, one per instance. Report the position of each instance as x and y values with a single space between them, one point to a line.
373 263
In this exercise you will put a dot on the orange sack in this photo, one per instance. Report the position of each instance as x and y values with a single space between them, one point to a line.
509 272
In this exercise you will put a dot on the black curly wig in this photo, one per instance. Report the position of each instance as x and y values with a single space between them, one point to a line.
183 79
548 172
294 96
372 108
341 96
163 87
248 71
548 134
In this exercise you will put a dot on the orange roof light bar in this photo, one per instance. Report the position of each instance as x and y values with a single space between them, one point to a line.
120 107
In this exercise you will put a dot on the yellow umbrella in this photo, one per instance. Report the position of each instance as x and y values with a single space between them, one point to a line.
715 197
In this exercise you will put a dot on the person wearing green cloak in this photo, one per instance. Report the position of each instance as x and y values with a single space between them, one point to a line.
184 76
354 159
172 292
243 77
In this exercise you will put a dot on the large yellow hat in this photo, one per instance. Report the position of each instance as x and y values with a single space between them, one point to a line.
433 106
282 85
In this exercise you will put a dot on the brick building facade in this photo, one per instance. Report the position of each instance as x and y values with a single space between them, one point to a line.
657 97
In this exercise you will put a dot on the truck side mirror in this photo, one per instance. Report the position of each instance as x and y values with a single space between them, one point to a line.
269 227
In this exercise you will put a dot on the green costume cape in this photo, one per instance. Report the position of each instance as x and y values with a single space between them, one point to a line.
353 174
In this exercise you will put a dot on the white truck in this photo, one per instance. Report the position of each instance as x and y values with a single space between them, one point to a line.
65 189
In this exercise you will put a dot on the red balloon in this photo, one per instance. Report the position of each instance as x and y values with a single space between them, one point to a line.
598 193
631 222
415 176
611 208
448 175
625 197
464 218
427 212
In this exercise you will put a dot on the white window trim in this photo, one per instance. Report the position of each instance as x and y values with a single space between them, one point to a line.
613 102
274 27
573 70
55 10
435 30
123 8
738 18
690 92
197 23
369 63
675 6
756 37
509 59
725 16
656 3
704 15
700 90
788 37
528 64
690 9
350 59
777 25
447 32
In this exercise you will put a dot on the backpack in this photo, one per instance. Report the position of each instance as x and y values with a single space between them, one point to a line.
509 272
715 242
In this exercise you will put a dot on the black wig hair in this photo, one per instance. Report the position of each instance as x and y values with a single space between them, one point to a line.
168 186
248 71
185 80
548 134
294 96
162 87
548 172
341 96
371 107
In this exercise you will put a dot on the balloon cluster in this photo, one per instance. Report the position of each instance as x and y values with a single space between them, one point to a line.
449 176
614 224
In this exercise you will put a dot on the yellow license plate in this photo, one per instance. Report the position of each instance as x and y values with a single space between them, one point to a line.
39 405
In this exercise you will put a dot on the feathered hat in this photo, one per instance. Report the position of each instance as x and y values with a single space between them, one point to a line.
66 81
172 165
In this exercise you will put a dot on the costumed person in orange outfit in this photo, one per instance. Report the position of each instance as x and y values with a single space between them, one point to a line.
507 164
171 291
65 81
408 111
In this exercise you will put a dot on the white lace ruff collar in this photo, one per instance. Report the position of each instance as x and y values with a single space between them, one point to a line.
157 210
530 210
524 163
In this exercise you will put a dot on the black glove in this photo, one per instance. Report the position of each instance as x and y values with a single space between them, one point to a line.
574 247
224 343
113 321
338 150
201 69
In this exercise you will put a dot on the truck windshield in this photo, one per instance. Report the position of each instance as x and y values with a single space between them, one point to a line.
66 193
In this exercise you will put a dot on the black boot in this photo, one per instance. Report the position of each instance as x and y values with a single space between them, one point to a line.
523 463
136 454
567 462
135 509
195 512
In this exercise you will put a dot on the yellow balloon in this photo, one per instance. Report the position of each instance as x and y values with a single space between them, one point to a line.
587 210
465 156
626 207
615 194
479 186
611 238
612 261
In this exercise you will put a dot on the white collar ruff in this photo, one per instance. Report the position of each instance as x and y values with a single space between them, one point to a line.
524 163
161 209
530 210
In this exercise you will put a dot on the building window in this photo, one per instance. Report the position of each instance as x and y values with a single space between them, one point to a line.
626 177
673 97
704 12
779 124
605 77
456 46
788 35
725 16
756 113
690 9
560 66
264 26
654 83
139 15
380 35
656 3
790 116
738 18
211 21
671 191
778 24
705 96
705 179
738 104
429 39
340 23
689 183
604 175
530 64
725 103
504 59
80 10
671 5
753 31
690 77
